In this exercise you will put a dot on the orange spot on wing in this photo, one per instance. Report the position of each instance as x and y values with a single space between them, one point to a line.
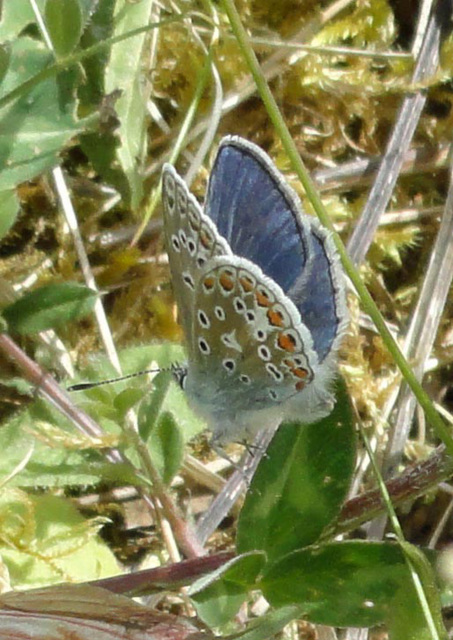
226 281
246 283
296 370
262 298
275 318
300 385
206 239
209 282
286 342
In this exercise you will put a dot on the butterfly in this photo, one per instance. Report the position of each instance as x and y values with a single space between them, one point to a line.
260 294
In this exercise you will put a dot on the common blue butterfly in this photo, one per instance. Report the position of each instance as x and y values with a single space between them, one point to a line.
260 294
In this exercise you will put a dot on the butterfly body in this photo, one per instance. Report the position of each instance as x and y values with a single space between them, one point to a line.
259 292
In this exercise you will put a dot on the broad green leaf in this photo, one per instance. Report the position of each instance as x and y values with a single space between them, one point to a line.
5 56
9 208
124 72
63 19
300 484
166 446
422 622
45 540
15 17
98 28
152 406
49 306
345 584
35 127
127 399
219 595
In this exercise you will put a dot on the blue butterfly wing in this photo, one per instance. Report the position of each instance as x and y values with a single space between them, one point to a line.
321 298
262 220
253 210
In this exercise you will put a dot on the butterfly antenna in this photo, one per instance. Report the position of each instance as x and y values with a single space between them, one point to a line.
81 386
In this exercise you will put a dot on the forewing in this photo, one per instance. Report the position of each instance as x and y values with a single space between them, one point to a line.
257 212
192 241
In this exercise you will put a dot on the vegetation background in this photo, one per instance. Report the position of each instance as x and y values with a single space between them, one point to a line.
95 96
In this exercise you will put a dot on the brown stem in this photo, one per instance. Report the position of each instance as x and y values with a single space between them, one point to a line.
415 481
172 576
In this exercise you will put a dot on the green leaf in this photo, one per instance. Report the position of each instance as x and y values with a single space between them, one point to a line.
219 596
48 541
124 72
36 125
49 306
300 484
15 17
152 406
5 56
423 622
345 584
9 208
63 19
127 399
166 446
